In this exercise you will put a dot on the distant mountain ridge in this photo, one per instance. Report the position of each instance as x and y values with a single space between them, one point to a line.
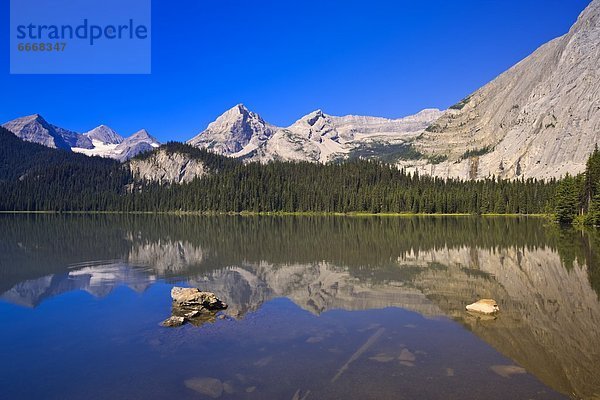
316 137
101 141
34 128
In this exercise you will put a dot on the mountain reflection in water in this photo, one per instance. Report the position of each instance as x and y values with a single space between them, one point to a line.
546 280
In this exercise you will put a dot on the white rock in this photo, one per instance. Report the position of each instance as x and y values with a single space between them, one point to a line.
484 306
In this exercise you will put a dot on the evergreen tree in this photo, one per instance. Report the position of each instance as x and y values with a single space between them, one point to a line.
592 178
567 200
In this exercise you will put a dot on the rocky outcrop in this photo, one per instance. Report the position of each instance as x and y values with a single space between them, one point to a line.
540 119
166 168
194 306
193 299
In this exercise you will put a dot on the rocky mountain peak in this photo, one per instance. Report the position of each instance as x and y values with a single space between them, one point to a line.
141 136
142 133
34 128
105 135
240 108
316 126
314 117
233 130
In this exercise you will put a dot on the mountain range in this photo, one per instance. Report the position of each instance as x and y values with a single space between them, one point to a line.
316 137
100 141
539 119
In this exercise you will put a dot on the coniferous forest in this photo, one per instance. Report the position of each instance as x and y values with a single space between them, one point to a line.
578 197
36 178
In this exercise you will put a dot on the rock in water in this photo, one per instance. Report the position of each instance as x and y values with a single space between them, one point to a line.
506 371
192 305
210 387
194 299
484 306
173 321
406 355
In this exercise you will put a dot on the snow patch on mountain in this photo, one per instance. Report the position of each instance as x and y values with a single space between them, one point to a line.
107 143
101 141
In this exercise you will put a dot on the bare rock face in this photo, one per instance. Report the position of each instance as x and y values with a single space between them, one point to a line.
540 119
233 131
167 168
484 306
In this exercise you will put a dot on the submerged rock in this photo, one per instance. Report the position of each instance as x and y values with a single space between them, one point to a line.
173 321
210 387
484 306
407 355
382 357
506 371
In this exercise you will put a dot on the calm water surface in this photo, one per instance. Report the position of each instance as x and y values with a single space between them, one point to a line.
320 308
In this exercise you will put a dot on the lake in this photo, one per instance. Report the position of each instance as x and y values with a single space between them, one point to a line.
319 308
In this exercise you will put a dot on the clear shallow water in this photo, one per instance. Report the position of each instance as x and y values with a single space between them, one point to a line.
320 308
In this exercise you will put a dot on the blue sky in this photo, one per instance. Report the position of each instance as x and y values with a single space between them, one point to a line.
284 59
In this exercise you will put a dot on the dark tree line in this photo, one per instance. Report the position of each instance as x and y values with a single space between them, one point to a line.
356 186
578 197
34 178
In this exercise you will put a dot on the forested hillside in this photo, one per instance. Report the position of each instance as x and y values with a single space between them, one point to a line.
34 177
38 178
578 197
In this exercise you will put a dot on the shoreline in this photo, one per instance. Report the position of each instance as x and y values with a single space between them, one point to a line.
270 213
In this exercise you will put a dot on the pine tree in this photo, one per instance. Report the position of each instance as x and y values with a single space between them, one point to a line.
592 178
567 200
